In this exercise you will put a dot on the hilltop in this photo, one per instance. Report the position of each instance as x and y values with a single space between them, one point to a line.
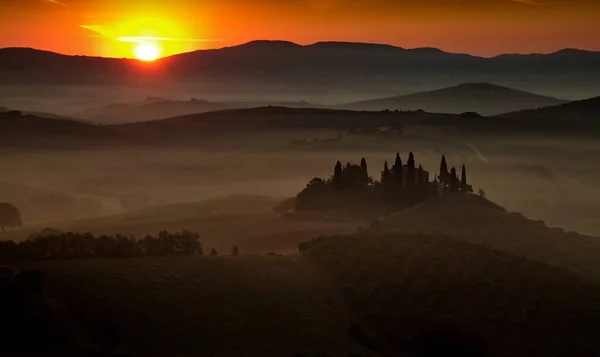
483 98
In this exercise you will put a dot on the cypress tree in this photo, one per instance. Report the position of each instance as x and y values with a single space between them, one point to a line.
444 174
398 171
410 172
385 174
453 180
363 166
337 175
463 179
365 171
235 250
420 180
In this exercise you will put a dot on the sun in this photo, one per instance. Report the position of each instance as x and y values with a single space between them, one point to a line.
147 52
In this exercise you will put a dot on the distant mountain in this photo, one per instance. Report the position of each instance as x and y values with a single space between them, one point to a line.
338 66
483 98
160 108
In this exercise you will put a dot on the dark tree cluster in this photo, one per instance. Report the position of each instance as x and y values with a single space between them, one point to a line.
52 245
399 185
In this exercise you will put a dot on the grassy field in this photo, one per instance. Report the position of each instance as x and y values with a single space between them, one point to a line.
253 305
243 220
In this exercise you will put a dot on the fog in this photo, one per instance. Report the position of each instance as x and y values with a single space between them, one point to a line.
534 176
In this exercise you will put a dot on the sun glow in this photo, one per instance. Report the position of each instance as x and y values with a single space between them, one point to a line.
147 52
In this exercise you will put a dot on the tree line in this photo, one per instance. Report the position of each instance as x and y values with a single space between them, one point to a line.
52 245
399 185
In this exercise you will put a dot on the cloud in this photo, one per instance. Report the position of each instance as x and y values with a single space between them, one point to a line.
56 2
106 32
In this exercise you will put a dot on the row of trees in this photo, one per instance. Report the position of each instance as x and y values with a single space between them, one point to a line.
55 245
402 184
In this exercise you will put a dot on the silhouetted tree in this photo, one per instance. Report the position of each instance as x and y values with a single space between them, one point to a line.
235 251
444 174
9 216
398 172
385 175
454 184
464 186
363 166
337 175
410 173
213 252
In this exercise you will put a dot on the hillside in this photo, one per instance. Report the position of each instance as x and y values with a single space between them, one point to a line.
149 109
387 292
479 221
29 130
577 113
246 221
234 306
483 98
160 108
38 204
400 286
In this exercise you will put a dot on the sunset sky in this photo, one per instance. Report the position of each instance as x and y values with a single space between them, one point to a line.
114 28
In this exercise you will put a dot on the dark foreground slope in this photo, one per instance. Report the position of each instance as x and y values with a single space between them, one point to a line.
478 220
231 306
483 98
366 293
399 287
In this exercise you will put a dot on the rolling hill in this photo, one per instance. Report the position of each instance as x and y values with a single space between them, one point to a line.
477 220
361 293
574 113
246 221
403 290
31 131
160 108
483 98
234 306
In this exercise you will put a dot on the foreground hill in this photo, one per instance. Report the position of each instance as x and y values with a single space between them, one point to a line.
399 286
234 306
379 291
246 221
475 219
483 98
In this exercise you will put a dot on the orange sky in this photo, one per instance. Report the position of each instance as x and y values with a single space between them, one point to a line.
483 27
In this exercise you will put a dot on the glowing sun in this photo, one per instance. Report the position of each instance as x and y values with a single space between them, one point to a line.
147 52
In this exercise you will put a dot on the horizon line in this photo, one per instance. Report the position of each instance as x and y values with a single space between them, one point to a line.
312 44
